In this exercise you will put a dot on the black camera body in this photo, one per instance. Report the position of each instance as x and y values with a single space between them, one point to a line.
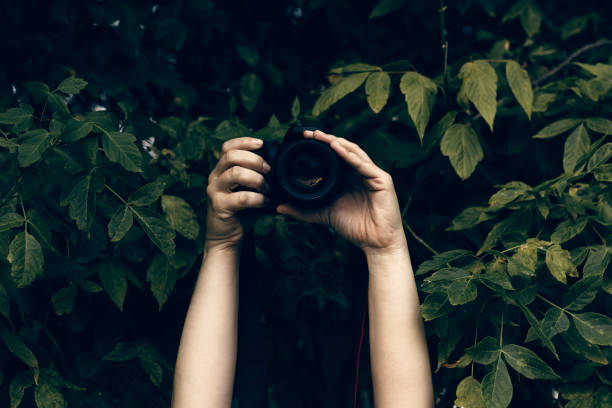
306 173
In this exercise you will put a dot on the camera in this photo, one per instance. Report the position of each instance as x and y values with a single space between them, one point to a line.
305 172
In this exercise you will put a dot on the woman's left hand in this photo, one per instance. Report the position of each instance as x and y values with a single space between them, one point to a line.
369 215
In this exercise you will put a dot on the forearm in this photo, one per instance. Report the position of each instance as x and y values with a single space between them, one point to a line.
205 365
400 364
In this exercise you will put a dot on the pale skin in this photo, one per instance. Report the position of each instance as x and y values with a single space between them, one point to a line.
368 216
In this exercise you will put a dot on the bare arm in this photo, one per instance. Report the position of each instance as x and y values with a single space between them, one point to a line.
370 218
205 365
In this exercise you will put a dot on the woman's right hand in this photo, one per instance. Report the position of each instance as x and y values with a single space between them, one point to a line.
237 167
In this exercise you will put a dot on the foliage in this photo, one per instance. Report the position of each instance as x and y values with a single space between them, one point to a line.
492 116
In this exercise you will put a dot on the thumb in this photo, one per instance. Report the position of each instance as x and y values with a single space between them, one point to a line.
307 216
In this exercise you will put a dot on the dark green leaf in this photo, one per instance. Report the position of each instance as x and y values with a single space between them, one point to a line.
57 103
497 387
577 145
250 89
377 90
462 291
76 130
32 145
120 223
21 118
149 364
120 148
4 302
559 263
567 230
162 278
157 229
600 125
435 305
121 352
180 216
48 396
147 194
112 277
384 7
22 381
556 128
537 328
460 143
485 352
480 87
555 321
469 218
72 85
440 260
597 261
11 220
420 94
469 394
582 293
26 258
594 327
527 363
600 156
82 200
338 91
583 348
519 82
21 351
63 300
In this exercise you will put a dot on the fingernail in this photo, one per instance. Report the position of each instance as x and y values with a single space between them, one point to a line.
258 142
266 167
308 133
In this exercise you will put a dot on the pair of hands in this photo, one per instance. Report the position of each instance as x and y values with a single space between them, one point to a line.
368 215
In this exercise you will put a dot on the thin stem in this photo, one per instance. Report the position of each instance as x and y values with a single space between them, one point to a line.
425 244
599 235
25 218
501 329
8 195
444 43
116 194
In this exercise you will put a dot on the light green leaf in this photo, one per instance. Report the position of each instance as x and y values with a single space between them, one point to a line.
157 229
76 130
600 125
338 91
82 200
120 148
497 386
147 194
295 108
524 261
600 156
469 394
32 145
597 261
384 7
480 87
594 327
21 351
527 363
555 321
162 278
462 291
420 94
556 128
508 193
72 85
9 221
354 68
377 90
26 258
180 216
22 381
63 300
113 279
485 352
519 82
460 144
568 229
559 263
251 88
577 145
120 223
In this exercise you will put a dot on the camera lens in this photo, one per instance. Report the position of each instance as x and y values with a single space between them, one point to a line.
307 171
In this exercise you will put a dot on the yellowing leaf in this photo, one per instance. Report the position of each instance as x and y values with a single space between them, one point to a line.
377 90
519 82
420 93
460 143
480 87
338 91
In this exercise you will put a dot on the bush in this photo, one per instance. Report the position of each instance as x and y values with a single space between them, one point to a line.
491 115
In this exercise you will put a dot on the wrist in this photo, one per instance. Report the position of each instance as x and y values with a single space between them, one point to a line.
212 246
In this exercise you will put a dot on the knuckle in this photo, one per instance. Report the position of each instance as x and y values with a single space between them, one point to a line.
226 146
243 198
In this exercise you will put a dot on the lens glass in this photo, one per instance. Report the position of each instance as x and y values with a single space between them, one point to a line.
307 169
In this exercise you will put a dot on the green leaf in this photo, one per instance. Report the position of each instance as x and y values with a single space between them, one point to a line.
600 125
527 363
582 293
72 85
11 220
384 7
149 363
583 348
434 135
89 286
441 259
597 261
112 277
295 108
555 321
338 91
485 352
251 88
603 398
26 258
508 193
496 274
470 217
21 118
577 145
120 223
31 146
157 229
469 394
48 396
435 305
567 230
559 263
460 144
57 103
594 327
121 352
524 261
519 82
462 291
497 387
21 351
63 300
4 302
22 381
162 278
531 18
76 130
120 148
600 156
556 128
377 90
537 328
480 87
147 194
82 199
420 94
180 216
248 53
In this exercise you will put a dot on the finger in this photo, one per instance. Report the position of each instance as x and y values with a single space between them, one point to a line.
319 135
354 147
240 176
241 200
244 159
242 143
307 216
363 167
